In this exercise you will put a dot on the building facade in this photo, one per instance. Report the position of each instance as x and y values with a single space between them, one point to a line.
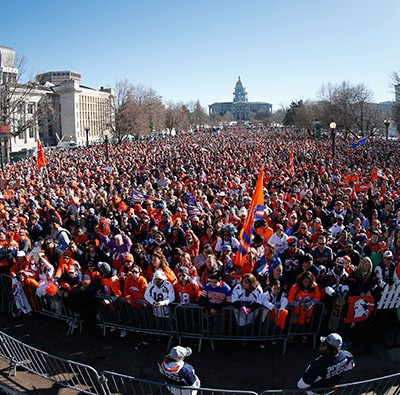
240 107
56 77
55 107
84 115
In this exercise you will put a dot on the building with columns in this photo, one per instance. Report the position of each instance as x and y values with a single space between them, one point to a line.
83 115
240 107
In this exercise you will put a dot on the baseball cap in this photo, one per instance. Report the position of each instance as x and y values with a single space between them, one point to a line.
21 254
226 247
388 254
333 340
179 352
104 267
128 257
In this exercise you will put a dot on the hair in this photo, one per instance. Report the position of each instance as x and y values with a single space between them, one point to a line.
272 248
187 256
306 275
136 266
273 283
359 272
253 282
216 275
208 248
157 252
308 257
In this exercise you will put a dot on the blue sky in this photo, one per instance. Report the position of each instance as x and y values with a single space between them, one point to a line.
188 50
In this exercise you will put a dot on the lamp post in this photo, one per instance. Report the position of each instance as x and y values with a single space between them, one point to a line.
107 141
387 123
332 125
87 135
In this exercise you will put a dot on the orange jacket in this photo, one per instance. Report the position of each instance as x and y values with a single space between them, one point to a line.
63 266
134 289
188 293
302 302
111 286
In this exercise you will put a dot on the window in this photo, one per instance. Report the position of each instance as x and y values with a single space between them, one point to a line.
31 133
31 107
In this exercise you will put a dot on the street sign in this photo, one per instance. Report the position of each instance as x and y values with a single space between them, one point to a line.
4 129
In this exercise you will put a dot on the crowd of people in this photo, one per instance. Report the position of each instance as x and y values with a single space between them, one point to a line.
161 220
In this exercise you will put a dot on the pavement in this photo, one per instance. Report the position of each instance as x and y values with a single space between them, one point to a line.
230 365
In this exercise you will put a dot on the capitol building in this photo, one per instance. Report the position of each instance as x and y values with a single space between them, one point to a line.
240 108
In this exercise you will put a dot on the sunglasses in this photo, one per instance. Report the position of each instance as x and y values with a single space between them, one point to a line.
135 272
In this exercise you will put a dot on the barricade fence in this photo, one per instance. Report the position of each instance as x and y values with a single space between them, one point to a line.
87 380
194 321
120 384
66 373
387 385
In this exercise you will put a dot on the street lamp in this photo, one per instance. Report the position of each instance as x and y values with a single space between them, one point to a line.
332 125
107 141
387 123
87 135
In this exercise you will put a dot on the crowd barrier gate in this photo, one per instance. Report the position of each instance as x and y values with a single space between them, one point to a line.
66 373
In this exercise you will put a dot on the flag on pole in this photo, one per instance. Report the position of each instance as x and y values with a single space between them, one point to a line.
41 157
291 161
255 212
363 141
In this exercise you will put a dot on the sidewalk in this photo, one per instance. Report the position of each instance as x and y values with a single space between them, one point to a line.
231 366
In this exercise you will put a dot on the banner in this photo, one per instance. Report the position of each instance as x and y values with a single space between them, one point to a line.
360 308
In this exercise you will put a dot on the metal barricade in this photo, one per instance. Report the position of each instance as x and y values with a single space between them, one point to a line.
55 306
66 373
312 327
193 321
387 385
7 298
120 314
128 385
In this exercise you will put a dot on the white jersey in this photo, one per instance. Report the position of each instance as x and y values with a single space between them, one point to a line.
163 295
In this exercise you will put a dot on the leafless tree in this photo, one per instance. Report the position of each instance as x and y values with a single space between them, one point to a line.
22 105
176 117
350 106
197 114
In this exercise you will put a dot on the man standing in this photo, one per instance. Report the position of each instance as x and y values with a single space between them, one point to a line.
327 370
177 372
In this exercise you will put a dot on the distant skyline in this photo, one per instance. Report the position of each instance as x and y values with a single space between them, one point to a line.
283 50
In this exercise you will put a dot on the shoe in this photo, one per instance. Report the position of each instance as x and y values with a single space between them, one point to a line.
112 330
123 333
304 339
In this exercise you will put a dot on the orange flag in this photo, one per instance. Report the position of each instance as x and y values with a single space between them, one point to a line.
256 212
41 157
